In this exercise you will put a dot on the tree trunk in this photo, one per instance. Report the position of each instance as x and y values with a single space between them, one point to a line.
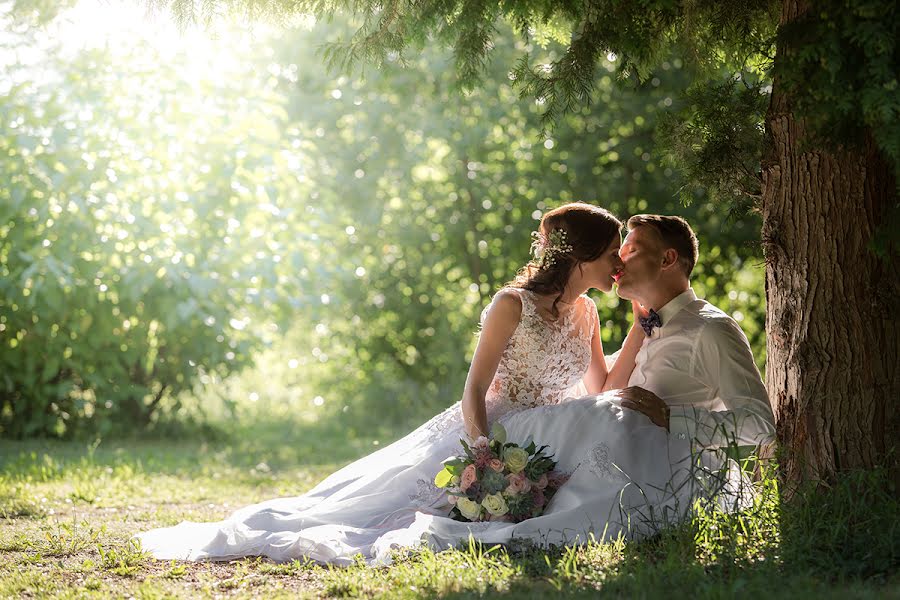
833 372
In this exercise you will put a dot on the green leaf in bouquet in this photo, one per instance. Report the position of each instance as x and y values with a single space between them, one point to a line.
530 448
520 505
498 432
539 454
539 466
493 482
468 450
442 479
456 470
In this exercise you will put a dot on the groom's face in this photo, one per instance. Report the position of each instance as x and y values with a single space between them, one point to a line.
642 255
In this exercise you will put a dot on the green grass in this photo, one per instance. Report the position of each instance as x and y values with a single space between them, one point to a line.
67 510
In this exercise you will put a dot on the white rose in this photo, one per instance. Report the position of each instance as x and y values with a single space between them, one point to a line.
495 504
469 508
515 459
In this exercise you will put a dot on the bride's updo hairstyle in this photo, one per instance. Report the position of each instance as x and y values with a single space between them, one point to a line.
567 236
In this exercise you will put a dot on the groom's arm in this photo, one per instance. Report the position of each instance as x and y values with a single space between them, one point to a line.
722 359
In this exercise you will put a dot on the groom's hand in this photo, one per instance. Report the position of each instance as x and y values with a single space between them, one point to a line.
645 401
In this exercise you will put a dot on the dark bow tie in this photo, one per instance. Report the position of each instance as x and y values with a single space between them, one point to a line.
649 322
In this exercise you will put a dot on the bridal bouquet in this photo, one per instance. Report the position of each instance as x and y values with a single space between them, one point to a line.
496 480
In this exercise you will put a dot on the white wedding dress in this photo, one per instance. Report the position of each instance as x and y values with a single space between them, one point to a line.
627 475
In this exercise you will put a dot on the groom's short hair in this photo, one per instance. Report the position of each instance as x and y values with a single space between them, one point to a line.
675 233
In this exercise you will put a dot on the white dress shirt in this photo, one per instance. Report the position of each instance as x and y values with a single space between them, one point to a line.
699 362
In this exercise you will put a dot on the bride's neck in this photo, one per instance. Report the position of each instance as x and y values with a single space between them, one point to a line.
571 294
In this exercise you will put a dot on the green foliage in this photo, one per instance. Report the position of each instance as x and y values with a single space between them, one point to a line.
123 560
840 69
716 140
31 12
167 219
131 251
838 63
851 530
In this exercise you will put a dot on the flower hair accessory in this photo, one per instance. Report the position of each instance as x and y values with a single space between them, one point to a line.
546 248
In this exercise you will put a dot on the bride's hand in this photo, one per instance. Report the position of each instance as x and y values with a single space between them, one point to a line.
638 310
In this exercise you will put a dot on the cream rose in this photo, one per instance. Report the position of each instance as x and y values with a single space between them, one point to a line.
495 504
469 508
515 459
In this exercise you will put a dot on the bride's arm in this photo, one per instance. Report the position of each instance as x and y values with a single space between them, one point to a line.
499 323
598 377
597 373
621 371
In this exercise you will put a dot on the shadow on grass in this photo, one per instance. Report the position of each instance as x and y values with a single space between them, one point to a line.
824 543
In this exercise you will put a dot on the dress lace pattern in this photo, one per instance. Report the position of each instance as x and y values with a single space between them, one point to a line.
544 358
600 462
427 493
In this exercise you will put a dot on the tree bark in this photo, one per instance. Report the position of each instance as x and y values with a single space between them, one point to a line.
833 371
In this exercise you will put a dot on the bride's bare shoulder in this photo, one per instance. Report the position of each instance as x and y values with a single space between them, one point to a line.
508 299
506 306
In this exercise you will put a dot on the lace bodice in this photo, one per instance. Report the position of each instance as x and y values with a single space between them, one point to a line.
544 358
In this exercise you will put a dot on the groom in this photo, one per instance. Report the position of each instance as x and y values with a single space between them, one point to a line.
694 374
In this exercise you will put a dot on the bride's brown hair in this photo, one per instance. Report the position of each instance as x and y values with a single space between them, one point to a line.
589 231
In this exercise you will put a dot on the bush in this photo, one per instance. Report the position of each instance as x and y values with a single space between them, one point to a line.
131 260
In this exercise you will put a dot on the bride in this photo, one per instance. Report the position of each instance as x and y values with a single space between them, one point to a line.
540 345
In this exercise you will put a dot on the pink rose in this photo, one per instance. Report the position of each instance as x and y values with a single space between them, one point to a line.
557 480
496 464
483 458
518 483
541 483
482 443
526 483
469 476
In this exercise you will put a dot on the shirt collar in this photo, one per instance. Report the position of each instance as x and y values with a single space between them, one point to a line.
674 306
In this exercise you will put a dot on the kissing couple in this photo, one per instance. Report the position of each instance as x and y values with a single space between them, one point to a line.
640 433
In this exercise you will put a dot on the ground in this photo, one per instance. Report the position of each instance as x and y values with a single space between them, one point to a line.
68 509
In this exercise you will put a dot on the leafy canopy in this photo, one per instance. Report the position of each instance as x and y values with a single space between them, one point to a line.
840 70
